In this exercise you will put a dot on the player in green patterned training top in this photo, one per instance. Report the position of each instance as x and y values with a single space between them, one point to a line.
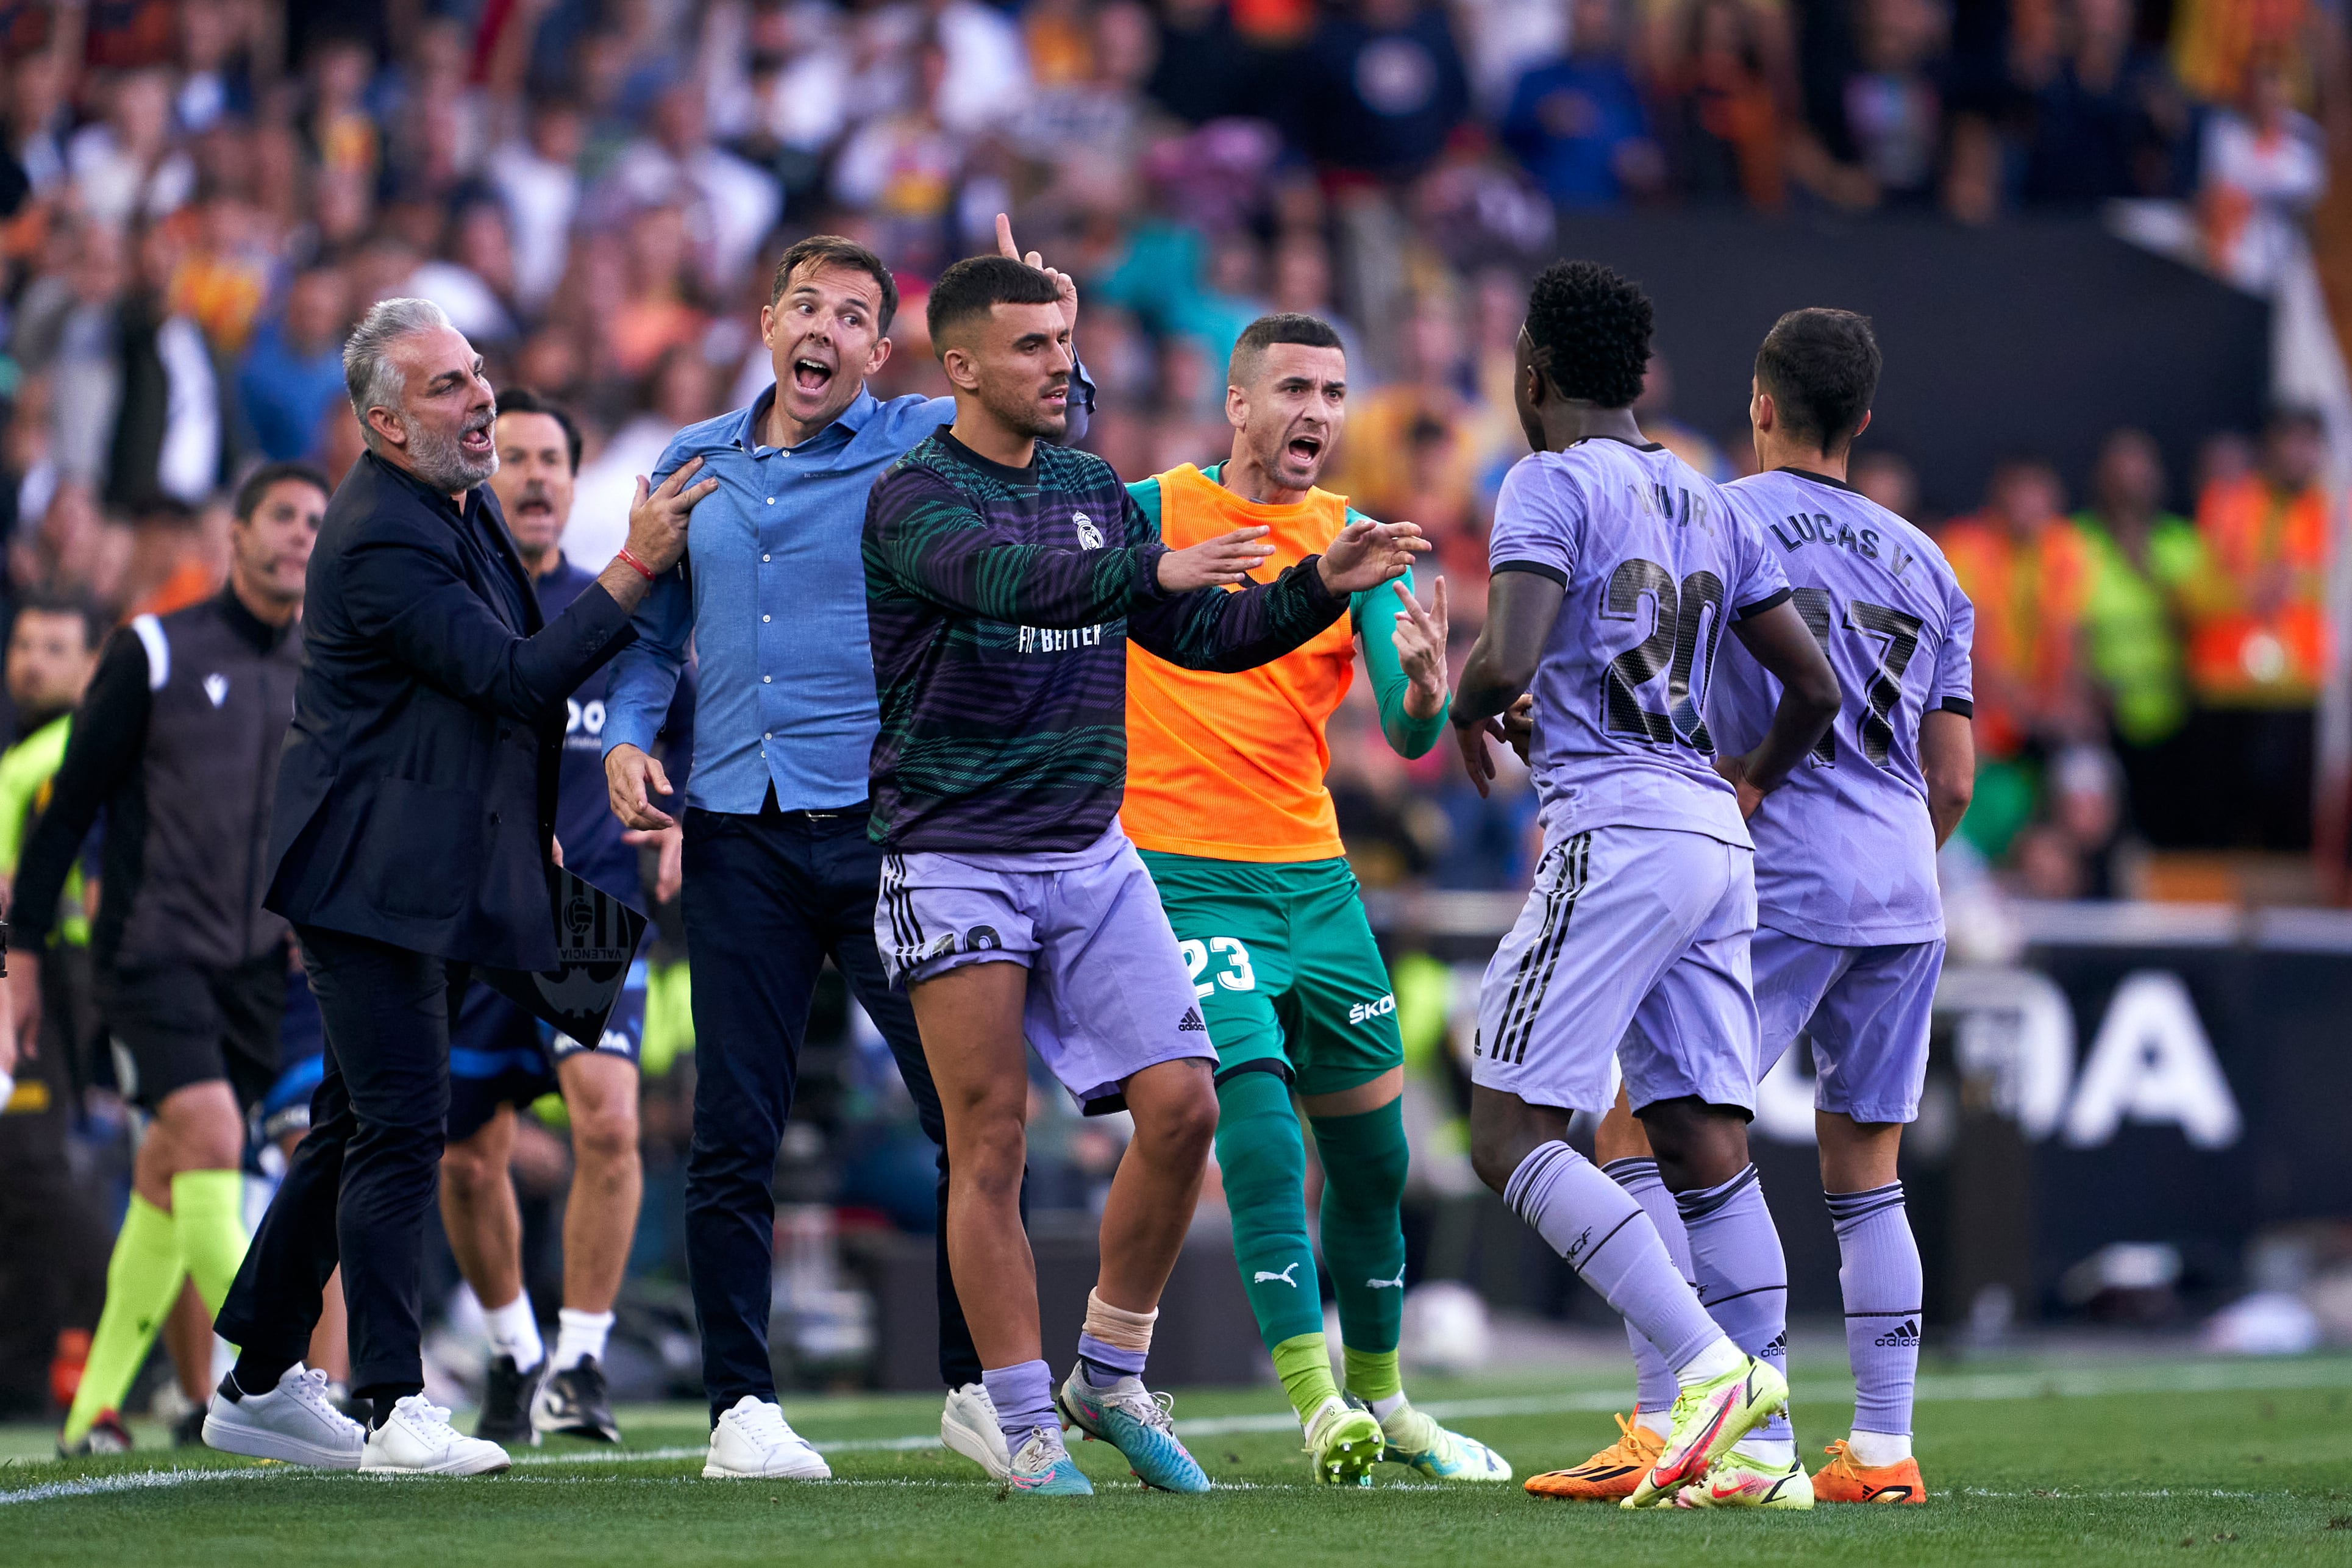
1226 800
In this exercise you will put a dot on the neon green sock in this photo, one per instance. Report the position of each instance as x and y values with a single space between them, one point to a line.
1304 1364
1364 1160
142 1281
209 1209
1372 1374
1264 1165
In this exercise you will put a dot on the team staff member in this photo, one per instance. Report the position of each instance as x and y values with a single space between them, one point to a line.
501 1057
780 874
177 741
414 822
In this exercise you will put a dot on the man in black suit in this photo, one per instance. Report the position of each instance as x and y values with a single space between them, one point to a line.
413 824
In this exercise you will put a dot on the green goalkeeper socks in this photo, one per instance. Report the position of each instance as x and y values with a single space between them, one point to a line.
208 1208
1364 1158
142 1281
1260 1152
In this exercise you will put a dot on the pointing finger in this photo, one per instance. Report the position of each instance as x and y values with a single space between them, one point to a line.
1004 245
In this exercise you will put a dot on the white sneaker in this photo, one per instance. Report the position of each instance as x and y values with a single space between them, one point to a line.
295 1421
754 1441
968 1426
418 1440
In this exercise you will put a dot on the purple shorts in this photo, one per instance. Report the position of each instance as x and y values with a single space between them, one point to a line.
1866 1011
1108 991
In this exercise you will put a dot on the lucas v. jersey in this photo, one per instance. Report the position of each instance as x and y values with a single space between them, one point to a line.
1845 851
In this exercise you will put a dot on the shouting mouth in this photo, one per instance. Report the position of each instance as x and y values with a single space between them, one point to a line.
1305 450
475 440
811 375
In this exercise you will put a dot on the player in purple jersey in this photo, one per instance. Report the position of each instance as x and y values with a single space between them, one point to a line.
1850 939
1615 570
1004 576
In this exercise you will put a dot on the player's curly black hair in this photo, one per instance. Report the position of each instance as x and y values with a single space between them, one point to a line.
1590 327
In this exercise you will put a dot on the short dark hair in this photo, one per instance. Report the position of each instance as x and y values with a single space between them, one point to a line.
1591 328
977 285
1822 368
57 602
836 250
523 400
1282 327
257 483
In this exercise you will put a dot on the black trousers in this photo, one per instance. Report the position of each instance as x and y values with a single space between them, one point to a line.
769 897
361 1182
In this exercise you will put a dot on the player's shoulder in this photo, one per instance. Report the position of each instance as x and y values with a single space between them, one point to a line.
1075 468
1797 509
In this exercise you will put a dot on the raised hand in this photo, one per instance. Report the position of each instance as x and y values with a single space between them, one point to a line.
1064 286
1214 563
1367 554
659 514
1419 642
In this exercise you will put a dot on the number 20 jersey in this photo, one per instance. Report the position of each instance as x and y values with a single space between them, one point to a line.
1846 853
1655 561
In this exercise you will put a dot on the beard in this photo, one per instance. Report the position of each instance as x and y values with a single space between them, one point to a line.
1020 412
443 464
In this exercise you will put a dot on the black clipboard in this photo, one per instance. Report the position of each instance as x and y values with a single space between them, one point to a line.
596 938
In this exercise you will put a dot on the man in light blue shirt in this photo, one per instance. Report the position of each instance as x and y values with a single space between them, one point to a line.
779 872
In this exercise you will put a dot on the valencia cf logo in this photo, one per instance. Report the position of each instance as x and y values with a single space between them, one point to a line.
1089 536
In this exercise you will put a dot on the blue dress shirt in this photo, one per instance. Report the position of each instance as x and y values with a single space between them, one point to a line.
773 599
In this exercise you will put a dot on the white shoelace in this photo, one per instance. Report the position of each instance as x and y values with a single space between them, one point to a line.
1037 1454
309 1391
430 1422
1146 1407
765 1424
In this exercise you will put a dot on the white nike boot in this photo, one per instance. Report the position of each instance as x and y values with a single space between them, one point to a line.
296 1422
968 1426
418 1440
754 1442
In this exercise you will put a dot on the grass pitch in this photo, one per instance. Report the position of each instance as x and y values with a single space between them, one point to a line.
2073 1460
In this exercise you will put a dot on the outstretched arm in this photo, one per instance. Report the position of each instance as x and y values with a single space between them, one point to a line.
1521 606
1207 628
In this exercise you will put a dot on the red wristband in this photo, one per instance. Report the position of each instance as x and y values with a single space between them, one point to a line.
634 565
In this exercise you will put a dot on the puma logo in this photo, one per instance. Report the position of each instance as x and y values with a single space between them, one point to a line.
1265 1279
1395 1284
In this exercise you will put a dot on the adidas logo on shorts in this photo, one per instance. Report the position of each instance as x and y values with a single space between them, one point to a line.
1905 1336
1192 1023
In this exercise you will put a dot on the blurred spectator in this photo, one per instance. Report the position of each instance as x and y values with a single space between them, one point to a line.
1888 479
2104 113
172 433
294 370
2030 573
1889 113
1715 68
904 169
1378 88
728 205
2263 169
2081 850
2258 643
1578 122
538 177
1204 71
125 168
2143 559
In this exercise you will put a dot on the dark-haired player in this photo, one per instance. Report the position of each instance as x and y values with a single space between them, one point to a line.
1849 937
1004 577
780 875
1616 570
499 1057
1226 802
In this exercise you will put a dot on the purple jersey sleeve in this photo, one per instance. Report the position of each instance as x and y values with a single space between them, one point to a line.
1538 517
1765 582
1954 690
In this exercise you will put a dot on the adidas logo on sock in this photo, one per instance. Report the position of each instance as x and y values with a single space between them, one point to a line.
1904 1337
1780 1346
1192 1023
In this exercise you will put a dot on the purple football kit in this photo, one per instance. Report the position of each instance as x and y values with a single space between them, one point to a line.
1633 941
1850 938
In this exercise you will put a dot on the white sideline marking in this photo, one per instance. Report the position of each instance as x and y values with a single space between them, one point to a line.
2075 1383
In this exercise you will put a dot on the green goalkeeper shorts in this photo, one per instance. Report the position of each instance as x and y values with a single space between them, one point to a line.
1289 975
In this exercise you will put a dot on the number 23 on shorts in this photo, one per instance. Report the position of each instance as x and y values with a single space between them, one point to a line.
1235 974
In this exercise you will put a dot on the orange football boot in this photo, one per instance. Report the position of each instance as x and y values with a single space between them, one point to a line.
1847 1479
1609 1475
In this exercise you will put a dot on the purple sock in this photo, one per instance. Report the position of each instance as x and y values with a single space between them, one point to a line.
1105 1364
1655 1389
1591 1221
1023 1396
1879 1275
1742 1276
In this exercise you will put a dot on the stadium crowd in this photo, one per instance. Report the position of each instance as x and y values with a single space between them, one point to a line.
199 197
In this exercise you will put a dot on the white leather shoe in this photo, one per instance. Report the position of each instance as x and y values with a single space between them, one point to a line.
296 1422
968 1426
754 1442
418 1440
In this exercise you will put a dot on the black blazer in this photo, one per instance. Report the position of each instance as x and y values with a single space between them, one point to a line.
416 793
